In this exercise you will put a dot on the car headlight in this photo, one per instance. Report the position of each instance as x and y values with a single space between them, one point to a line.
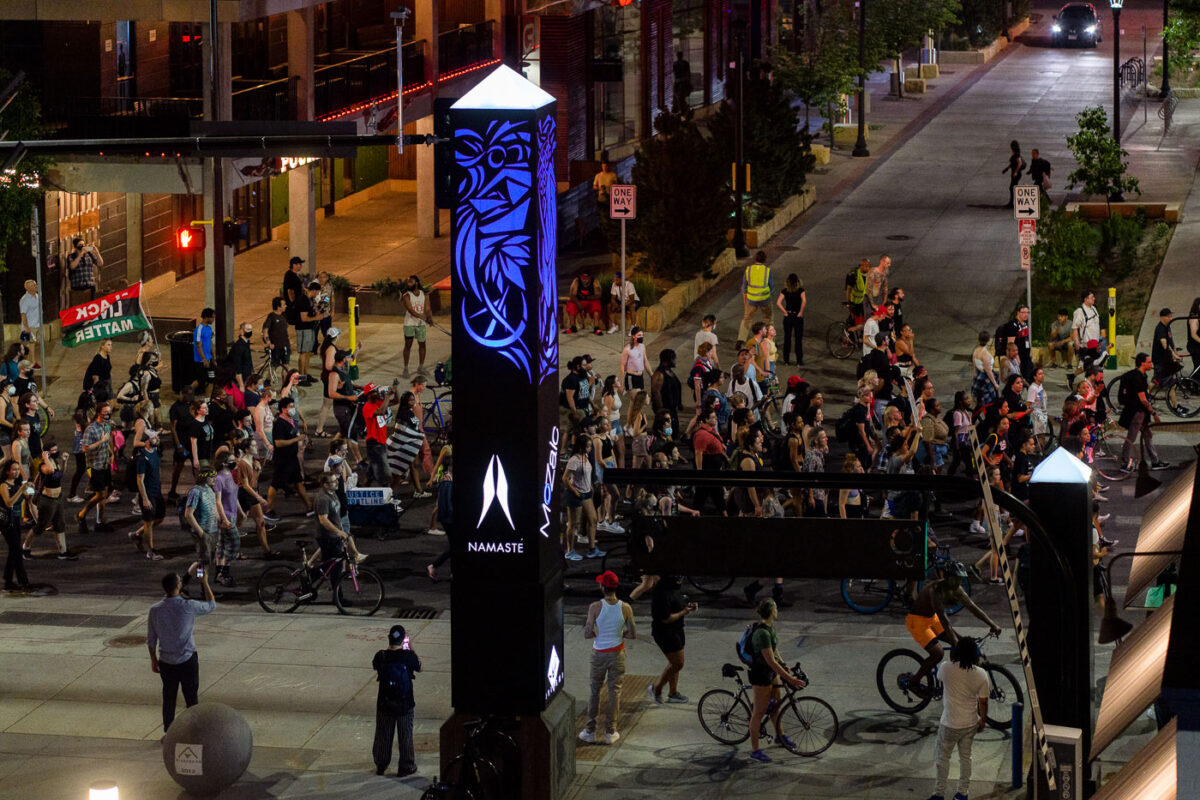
1090 29
1056 28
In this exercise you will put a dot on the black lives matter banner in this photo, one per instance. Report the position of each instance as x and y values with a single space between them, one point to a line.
105 317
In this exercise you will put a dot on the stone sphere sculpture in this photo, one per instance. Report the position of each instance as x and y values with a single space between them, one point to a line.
207 748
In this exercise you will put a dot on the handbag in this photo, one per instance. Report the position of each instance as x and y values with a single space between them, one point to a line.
1046 184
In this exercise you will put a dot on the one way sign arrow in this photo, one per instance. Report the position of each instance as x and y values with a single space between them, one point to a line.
1026 203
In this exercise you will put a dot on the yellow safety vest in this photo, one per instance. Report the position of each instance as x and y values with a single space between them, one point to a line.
860 287
758 283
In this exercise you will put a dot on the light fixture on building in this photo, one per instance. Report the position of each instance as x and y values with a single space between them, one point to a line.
103 790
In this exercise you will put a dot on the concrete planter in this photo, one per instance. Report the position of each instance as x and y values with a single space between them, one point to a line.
1126 349
1168 212
984 54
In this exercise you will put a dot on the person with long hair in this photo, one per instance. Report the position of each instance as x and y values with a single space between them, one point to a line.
48 497
405 445
986 384
611 403
792 302
1193 333
851 503
636 428
12 494
1015 168
965 689
577 482
668 610
326 352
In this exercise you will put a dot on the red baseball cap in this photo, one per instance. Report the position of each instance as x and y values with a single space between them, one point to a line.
370 387
608 579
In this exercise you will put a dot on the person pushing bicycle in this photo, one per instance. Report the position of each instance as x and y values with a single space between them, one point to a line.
928 622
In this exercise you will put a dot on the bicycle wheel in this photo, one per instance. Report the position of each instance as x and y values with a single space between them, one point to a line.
505 755
841 344
899 664
1183 398
279 588
1004 692
475 778
724 716
868 595
359 594
1107 460
810 723
1044 443
710 586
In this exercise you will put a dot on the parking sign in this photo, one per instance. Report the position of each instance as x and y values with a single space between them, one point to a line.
622 201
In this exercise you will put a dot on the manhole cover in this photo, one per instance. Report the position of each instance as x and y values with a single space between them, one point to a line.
898 237
417 612
126 641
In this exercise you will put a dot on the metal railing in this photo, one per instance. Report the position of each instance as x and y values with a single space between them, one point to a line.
1166 111
1133 73
467 45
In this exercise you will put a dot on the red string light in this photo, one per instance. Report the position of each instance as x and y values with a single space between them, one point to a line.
360 107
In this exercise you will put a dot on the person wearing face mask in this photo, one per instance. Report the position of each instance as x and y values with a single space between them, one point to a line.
633 360
287 437
338 465
327 353
98 451
228 545
263 445
179 416
149 496
416 316
240 358
200 436
48 495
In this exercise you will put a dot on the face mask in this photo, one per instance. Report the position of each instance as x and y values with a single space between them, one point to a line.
335 459
641 339
667 431
12 390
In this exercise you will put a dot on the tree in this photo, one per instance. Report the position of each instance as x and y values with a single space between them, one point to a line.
1064 250
1183 32
894 26
1101 160
684 205
774 145
823 75
20 186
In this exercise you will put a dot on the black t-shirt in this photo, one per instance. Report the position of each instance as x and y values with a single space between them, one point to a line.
100 368
860 414
1133 382
395 670
35 436
180 415
284 429
572 384
293 290
1022 465
202 432
303 305
663 604
793 301
277 329
221 419
1038 168
1019 332
1161 356
23 385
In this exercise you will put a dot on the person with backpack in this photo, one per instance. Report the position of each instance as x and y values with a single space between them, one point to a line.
1136 412
759 650
394 705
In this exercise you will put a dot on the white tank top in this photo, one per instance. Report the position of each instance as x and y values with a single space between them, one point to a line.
610 625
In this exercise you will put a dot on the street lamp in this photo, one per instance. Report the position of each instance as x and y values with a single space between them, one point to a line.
739 231
860 147
1166 84
1115 5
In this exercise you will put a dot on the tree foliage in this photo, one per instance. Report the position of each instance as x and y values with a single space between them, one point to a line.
1065 249
894 26
684 204
1183 32
824 73
20 188
1101 160
774 145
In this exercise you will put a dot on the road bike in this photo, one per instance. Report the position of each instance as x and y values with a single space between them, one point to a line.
357 591
841 339
488 768
896 668
437 417
271 372
809 725
872 595
1180 392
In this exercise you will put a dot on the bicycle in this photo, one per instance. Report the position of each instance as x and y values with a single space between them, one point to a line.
271 372
435 422
842 341
1180 392
488 767
872 595
809 725
709 585
282 588
897 667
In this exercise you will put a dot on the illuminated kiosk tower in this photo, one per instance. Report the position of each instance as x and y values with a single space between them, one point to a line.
506 599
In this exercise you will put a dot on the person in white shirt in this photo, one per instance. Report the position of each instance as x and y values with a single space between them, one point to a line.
621 287
1086 335
416 317
870 329
31 313
609 623
1036 397
964 713
706 334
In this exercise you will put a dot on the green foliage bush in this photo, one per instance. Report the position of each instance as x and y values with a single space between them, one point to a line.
1064 250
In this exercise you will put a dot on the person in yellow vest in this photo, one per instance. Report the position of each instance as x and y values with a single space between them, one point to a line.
856 293
756 294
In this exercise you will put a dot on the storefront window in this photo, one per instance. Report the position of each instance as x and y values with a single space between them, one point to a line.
687 18
619 104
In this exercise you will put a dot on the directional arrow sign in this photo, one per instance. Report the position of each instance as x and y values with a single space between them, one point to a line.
1026 202
622 201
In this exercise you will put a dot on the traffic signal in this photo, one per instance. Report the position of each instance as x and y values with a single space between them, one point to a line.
190 238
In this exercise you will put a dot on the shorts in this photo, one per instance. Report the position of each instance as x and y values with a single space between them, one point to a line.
415 332
859 313
343 413
634 381
761 674
229 544
281 355
572 500
1099 580
588 307
157 511
305 340
246 500
739 501
669 642
100 480
923 629
182 456
287 473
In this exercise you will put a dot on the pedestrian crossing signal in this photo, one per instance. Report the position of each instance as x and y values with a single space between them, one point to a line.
190 238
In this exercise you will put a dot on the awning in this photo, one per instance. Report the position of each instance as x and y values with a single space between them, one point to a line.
1163 528
1150 775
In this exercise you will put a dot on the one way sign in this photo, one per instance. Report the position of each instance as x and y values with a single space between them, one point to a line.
1026 202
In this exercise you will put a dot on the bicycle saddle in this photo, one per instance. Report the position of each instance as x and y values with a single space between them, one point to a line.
730 671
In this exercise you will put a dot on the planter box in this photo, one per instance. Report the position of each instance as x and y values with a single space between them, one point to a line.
370 302
820 153
914 85
1168 212
984 54
847 134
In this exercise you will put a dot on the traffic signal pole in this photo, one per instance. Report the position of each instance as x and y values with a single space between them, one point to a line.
218 190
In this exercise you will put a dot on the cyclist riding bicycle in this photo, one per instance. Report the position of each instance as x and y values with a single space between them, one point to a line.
856 293
927 621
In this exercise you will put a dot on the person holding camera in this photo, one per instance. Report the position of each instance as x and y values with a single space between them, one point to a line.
82 263
170 636
394 669
14 489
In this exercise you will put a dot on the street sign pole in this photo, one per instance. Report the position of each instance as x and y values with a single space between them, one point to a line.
1026 238
35 239
622 205
624 277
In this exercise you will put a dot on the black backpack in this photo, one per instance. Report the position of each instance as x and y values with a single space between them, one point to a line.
843 429
1124 395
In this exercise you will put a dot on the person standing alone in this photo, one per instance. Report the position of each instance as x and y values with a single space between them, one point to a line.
416 320
609 623
756 294
394 668
964 713
170 636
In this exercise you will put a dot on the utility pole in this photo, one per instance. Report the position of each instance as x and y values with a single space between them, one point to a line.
1116 125
860 147
400 17
1166 84
218 184
739 232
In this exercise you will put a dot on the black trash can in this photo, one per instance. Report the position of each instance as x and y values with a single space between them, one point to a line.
181 359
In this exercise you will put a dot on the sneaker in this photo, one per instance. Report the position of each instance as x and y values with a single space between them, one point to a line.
67 555
612 738
569 330
1101 487
785 741
975 573
655 696
596 552
1127 467
436 532
421 495
83 526
136 537
598 332
114 497
759 755
573 556
976 527
677 698
580 539
1103 518
996 581
270 518
1099 498
76 500
361 557
404 773
1106 542
1157 465
26 552
587 736
154 555
225 580
613 329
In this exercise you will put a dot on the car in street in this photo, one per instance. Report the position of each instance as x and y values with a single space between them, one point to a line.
1077 24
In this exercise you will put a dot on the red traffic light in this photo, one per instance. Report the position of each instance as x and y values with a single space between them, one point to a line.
190 238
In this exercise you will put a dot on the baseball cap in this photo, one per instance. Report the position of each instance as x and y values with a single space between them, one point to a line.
1165 312
314 286
296 260
333 332
608 579
396 634
370 387
794 381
